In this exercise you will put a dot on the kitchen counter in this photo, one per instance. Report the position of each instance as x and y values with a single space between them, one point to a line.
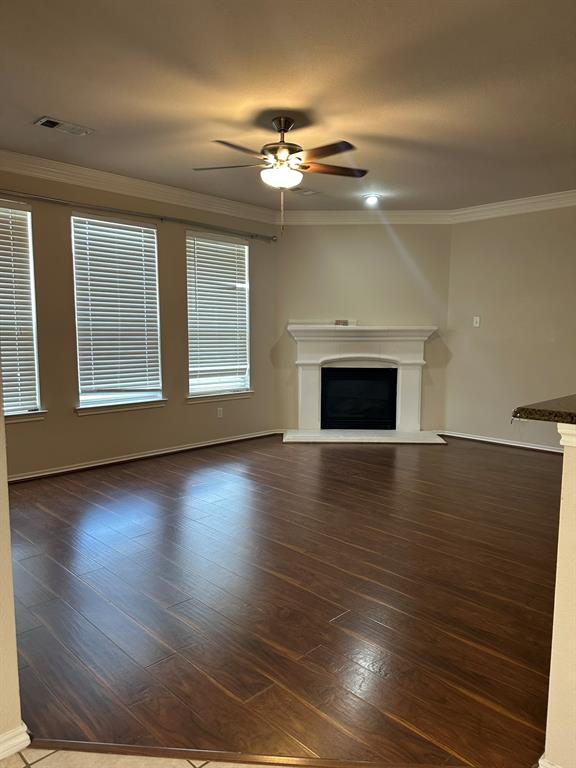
561 410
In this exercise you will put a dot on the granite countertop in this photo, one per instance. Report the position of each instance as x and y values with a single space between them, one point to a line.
561 410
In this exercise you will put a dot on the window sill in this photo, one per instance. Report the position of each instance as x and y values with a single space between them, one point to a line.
92 410
16 418
218 396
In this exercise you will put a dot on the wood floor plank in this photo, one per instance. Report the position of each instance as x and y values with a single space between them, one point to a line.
129 681
518 695
25 619
22 547
463 580
487 675
27 589
306 723
235 674
158 622
139 644
234 724
102 715
44 712
442 715
528 639
159 711
364 603
389 738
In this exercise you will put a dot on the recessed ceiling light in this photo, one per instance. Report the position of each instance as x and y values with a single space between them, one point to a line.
372 200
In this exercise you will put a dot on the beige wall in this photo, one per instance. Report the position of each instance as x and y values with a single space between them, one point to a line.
389 275
62 438
519 274
10 697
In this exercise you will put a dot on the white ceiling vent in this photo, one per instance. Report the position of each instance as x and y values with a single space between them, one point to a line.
304 192
63 126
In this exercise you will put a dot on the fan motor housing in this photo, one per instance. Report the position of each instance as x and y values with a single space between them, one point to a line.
272 150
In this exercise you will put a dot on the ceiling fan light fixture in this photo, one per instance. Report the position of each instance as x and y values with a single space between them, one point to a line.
372 200
281 177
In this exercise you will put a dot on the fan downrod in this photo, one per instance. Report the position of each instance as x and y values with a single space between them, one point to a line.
282 125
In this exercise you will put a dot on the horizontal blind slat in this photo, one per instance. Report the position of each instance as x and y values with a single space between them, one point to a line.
218 320
117 319
17 313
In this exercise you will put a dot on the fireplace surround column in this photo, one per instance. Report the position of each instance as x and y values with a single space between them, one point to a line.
309 389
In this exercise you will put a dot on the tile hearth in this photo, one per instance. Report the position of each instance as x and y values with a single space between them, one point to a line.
360 436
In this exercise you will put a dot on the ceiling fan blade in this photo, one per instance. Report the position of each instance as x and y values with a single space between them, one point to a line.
326 150
239 148
224 167
334 170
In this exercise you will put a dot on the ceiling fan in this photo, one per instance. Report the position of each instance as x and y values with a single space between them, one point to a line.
284 163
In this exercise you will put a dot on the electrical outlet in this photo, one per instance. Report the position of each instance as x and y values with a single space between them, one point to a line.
219 412
476 321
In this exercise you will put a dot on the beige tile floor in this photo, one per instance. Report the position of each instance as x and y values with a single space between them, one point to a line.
41 758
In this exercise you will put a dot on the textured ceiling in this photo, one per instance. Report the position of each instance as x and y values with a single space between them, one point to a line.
450 103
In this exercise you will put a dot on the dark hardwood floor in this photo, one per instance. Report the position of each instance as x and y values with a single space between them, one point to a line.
379 603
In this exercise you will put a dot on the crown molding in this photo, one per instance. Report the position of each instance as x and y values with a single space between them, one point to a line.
513 207
330 218
455 216
54 170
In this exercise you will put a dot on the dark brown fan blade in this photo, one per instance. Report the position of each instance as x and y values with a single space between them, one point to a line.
239 148
335 170
224 167
326 150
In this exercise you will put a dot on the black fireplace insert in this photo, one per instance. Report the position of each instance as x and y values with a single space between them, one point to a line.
358 398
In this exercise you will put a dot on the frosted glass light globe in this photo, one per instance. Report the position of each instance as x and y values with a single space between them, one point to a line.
281 177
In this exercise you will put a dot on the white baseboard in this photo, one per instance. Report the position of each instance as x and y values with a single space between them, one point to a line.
543 763
501 441
14 741
141 455
236 438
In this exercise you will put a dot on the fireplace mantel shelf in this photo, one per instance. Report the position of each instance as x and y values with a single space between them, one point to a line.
317 332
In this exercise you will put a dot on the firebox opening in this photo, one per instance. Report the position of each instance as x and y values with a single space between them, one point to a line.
358 398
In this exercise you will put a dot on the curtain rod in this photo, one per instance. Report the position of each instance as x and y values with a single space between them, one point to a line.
124 212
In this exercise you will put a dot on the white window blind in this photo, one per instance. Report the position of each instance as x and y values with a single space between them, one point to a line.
17 313
117 323
218 321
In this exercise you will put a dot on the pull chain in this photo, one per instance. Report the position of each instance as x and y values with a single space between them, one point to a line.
281 210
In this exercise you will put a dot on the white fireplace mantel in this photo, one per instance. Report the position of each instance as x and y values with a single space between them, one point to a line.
353 346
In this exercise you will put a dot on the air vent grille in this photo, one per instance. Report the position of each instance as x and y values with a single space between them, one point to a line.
61 125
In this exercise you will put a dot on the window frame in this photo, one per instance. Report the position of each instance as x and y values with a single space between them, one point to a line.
27 414
225 393
136 401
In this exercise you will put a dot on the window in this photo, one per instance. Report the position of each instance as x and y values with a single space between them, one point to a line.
218 332
117 326
17 313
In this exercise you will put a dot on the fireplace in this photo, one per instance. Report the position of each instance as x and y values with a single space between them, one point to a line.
358 398
359 383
